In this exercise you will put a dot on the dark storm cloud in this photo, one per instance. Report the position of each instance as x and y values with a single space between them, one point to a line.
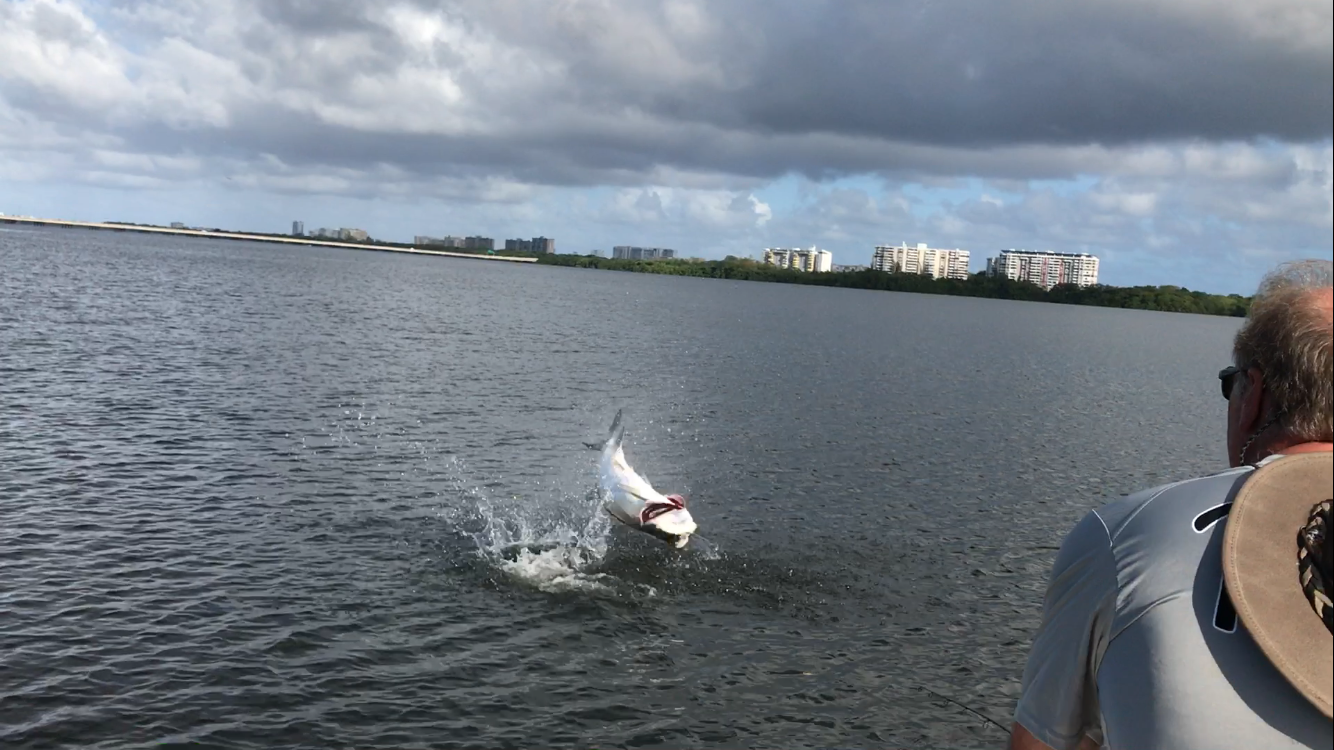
314 16
986 74
973 73
606 92
605 155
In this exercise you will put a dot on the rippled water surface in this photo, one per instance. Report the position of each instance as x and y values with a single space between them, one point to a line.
256 497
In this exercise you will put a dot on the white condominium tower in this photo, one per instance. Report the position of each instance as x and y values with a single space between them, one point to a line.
632 252
1045 269
936 263
813 260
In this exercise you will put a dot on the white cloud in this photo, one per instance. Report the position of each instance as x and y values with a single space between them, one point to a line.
686 207
763 212
1197 129
51 46
1135 204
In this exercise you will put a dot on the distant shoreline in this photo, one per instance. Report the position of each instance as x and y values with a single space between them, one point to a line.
1159 298
252 237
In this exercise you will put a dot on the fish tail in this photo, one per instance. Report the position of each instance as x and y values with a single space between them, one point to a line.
614 437
616 434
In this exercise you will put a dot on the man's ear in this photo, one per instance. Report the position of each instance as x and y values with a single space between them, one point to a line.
1252 403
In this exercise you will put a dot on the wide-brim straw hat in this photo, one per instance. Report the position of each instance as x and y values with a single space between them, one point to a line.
1260 547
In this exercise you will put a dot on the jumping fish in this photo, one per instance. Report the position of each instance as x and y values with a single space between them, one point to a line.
633 501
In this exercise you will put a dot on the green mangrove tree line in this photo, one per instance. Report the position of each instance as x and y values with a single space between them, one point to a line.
1164 298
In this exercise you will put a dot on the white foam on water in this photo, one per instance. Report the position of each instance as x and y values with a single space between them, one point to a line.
557 569
551 541
703 548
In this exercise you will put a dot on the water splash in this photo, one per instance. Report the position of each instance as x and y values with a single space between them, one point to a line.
558 569
552 541
704 549
530 528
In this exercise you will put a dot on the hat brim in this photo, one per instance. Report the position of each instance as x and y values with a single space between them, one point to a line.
1260 571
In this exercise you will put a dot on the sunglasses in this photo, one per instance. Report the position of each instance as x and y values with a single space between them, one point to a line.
1227 375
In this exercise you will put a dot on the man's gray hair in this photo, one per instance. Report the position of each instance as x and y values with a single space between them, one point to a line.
1288 337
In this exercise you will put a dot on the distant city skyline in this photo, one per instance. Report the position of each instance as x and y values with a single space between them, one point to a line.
1152 135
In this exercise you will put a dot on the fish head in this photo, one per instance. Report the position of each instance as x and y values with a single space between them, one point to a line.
670 521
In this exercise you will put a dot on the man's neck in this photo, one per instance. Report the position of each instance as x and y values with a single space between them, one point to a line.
1312 447
1282 447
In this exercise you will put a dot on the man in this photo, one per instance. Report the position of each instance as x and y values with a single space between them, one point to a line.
1148 639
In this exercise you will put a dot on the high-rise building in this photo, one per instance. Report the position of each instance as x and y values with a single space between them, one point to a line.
424 240
353 234
1046 269
631 252
928 261
813 260
535 245
479 243
298 229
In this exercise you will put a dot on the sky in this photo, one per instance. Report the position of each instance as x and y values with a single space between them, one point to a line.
1184 142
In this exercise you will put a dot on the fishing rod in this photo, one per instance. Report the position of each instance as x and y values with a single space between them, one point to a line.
969 709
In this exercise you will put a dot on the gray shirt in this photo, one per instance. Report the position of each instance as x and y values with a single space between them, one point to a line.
1139 646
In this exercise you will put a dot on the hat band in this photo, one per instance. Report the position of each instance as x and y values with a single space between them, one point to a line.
1309 541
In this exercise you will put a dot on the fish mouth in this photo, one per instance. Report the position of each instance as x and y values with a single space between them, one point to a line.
676 540
654 509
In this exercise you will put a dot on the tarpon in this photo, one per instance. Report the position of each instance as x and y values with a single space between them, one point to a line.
630 499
